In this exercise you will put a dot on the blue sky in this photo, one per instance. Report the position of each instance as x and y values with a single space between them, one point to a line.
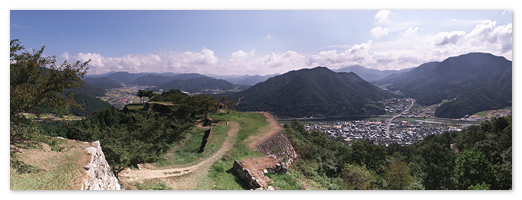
235 42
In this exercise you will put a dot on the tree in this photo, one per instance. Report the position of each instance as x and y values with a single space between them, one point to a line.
397 173
38 83
472 168
228 103
149 94
357 177
141 94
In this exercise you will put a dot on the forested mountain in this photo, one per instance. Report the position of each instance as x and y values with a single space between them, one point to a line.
484 98
103 82
249 80
90 89
89 104
317 92
125 77
196 84
456 77
370 74
151 79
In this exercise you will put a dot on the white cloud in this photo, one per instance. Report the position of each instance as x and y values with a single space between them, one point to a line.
268 37
382 16
410 32
410 50
445 38
378 32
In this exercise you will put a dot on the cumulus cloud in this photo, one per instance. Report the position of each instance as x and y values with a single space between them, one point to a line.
444 38
410 32
378 32
382 16
410 50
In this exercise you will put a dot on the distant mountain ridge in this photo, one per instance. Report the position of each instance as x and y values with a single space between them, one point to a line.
317 92
194 85
457 77
370 75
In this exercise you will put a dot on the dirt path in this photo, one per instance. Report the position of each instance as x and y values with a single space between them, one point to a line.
273 129
174 177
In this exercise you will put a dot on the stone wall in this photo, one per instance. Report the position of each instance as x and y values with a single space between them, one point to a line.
253 171
99 173
279 146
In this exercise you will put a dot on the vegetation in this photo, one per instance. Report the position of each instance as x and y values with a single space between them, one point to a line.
317 92
480 159
196 84
38 82
455 77
103 82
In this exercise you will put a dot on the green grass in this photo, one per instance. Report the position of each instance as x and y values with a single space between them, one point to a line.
187 153
152 185
135 106
285 181
224 177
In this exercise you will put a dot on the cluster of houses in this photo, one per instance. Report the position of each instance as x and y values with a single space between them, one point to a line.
400 131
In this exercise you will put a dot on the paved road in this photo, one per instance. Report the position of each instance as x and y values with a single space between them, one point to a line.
389 122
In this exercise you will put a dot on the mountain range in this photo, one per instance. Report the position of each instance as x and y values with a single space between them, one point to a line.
317 92
370 75
458 78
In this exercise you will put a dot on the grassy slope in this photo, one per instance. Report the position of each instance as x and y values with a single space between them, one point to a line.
42 167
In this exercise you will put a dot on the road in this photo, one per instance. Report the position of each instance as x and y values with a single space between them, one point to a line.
389 122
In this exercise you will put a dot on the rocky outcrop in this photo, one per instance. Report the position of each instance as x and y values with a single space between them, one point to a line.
99 173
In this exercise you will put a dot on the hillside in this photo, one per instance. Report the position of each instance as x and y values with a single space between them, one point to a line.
430 83
196 84
370 74
103 82
484 98
317 92
248 80
89 104
152 79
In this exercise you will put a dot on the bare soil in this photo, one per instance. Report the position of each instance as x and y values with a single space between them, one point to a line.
273 129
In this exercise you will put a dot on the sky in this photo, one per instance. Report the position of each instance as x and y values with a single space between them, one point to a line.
262 42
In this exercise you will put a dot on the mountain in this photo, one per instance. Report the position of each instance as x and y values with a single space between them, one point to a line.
483 98
125 77
89 104
317 92
370 74
196 84
90 89
456 77
153 79
249 80
103 82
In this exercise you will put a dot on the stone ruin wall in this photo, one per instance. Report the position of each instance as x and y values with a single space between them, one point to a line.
99 174
279 146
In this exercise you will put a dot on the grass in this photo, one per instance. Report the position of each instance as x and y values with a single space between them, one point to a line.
221 173
285 181
135 106
152 184
187 153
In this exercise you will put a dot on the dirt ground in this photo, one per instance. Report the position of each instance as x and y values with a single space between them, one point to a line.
273 129
185 178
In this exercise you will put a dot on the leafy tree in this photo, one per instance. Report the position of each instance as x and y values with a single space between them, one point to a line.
397 174
141 94
472 168
357 177
478 186
38 82
438 165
